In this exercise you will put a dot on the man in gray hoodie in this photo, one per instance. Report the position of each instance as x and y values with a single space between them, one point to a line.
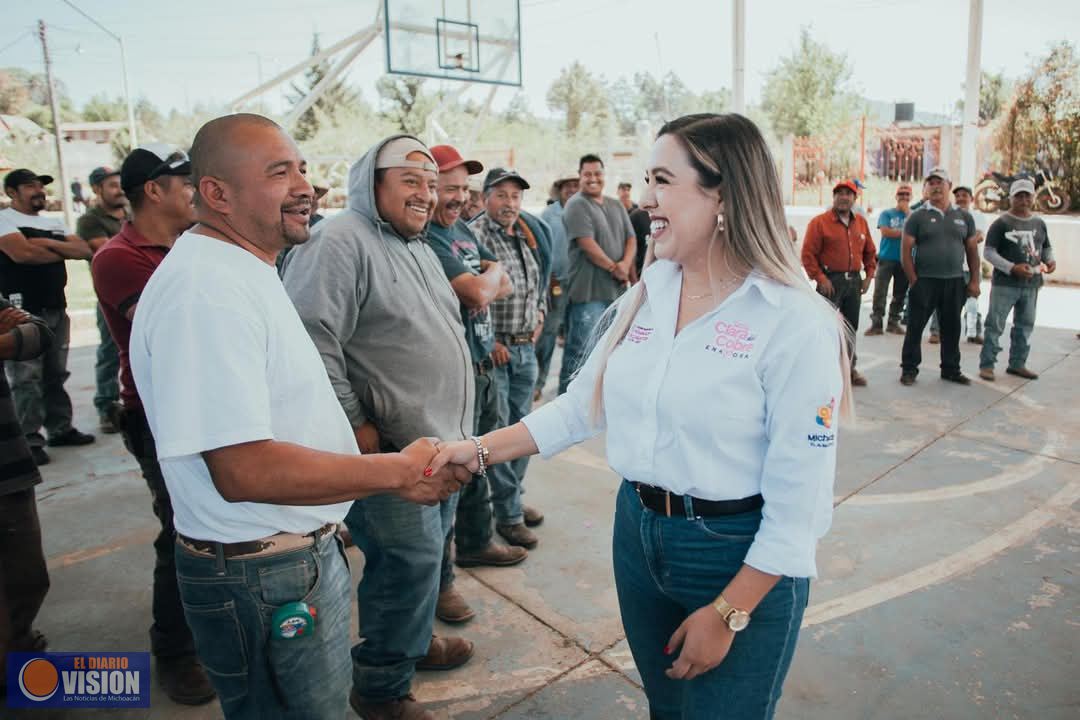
374 298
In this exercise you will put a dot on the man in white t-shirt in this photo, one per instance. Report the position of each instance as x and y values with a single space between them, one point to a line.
258 456
33 248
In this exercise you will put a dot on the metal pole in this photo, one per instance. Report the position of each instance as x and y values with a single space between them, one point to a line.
738 80
65 195
970 136
133 133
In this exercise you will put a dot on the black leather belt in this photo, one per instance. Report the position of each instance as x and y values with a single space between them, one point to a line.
484 366
520 339
669 504
283 543
850 275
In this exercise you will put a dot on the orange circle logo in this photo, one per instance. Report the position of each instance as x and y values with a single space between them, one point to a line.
38 679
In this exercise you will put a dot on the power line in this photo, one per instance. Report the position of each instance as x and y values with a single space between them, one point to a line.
17 40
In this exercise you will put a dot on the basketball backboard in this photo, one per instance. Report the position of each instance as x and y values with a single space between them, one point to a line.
472 40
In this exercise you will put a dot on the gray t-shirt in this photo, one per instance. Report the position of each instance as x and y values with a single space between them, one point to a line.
1012 240
940 240
607 224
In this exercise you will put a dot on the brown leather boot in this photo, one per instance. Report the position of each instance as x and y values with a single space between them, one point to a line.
518 535
446 653
452 607
533 517
184 680
494 555
402 708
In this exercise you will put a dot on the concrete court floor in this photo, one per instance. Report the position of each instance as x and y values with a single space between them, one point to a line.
948 583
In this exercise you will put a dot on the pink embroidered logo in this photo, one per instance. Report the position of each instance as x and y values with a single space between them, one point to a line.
733 339
639 334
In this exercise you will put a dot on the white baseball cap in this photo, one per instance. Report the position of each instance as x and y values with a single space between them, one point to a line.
1022 185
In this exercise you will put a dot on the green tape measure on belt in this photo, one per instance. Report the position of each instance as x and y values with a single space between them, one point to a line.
293 621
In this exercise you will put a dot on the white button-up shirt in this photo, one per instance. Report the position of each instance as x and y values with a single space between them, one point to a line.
744 400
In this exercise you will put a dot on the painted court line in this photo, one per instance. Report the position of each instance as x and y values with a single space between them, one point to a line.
958 563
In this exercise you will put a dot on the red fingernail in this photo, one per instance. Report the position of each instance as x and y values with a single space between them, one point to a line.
667 650
428 472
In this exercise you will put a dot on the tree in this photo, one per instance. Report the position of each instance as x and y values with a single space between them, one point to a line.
577 93
1041 126
14 95
807 93
99 108
404 103
336 97
994 91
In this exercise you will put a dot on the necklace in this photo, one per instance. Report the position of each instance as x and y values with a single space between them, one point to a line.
719 286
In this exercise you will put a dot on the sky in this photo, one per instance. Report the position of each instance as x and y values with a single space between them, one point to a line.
210 51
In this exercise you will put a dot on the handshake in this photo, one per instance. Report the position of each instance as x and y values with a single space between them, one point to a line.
430 470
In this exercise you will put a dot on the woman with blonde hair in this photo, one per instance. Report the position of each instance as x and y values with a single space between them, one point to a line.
719 381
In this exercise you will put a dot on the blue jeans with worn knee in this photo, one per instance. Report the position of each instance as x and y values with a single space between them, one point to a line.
665 569
581 319
258 675
514 386
1021 301
403 545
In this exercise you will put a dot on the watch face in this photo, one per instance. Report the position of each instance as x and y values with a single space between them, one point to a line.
738 620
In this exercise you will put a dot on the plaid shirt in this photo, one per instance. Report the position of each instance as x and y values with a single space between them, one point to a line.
519 312
17 468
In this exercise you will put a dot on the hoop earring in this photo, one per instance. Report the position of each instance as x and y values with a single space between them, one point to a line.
720 223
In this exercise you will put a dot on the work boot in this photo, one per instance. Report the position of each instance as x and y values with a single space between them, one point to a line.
452 607
533 517
1022 372
403 708
494 555
935 338
517 534
976 340
107 426
907 378
70 437
40 456
857 378
958 378
446 653
874 329
895 328
987 374
184 680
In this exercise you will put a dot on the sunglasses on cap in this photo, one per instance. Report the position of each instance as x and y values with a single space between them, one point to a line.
172 162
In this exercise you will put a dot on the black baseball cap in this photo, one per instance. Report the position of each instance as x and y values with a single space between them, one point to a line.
498 175
151 161
98 174
22 176
965 188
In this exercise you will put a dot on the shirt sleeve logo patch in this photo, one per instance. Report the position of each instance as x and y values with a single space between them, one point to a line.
824 419
733 339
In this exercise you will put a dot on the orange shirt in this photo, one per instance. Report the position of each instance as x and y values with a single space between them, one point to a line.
831 246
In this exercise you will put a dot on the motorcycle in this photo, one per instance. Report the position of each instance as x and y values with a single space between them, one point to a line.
992 192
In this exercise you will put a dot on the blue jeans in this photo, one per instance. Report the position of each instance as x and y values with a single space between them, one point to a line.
581 319
665 569
403 547
472 526
514 385
258 676
1021 301
106 369
545 345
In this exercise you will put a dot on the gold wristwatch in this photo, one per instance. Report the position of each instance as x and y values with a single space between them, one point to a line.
735 618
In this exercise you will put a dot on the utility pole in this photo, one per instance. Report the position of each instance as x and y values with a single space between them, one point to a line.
969 138
65 195
738 51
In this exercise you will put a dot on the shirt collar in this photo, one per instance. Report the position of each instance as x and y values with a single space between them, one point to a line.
930 206
136 238
662 275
